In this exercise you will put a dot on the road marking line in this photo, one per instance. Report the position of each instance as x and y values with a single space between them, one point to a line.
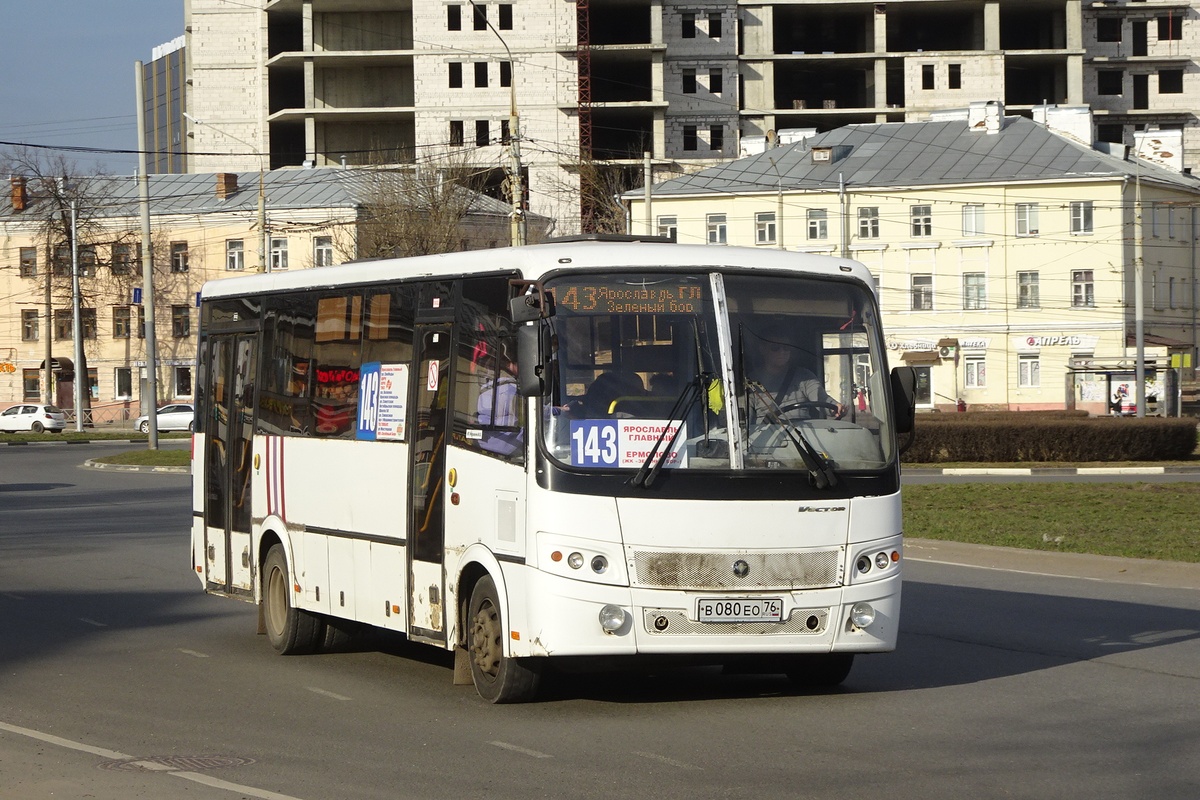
1121 470
986 471
328 694
93 622
669 761
195 653
67 743
522 750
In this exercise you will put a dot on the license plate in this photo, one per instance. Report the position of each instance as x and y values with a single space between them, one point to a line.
739 609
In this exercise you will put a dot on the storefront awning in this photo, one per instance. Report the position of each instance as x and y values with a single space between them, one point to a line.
920 356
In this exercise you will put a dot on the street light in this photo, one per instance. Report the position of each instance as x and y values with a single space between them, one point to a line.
263 244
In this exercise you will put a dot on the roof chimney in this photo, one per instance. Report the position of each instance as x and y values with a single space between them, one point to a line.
20 196
985 117
226 184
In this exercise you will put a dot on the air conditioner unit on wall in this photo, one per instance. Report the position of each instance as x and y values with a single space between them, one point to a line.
946 352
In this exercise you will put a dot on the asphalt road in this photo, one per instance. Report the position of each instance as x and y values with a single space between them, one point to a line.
1018 675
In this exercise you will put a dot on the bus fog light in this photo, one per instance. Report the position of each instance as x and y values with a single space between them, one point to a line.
612 618
575 560
881 560
863 564
599 564
862 614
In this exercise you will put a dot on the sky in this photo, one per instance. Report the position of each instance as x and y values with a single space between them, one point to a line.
67 74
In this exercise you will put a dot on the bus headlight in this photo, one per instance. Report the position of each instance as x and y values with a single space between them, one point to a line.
862 614
612 618
575 560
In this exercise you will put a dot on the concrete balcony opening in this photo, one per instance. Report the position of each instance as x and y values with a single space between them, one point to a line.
801 29
934 26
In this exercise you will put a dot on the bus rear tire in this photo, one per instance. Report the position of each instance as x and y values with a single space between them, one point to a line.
289 630
823 671
497 678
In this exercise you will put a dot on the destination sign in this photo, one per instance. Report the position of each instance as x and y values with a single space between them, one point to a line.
667 296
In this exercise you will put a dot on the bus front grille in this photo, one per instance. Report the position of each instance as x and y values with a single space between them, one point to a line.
738 571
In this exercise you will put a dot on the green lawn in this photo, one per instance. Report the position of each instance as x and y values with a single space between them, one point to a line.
175 457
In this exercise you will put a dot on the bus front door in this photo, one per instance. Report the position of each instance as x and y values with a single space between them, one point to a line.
228 430
427 512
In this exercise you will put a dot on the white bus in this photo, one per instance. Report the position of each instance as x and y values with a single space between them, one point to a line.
567 449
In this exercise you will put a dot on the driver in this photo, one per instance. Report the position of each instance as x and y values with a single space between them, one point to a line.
775 364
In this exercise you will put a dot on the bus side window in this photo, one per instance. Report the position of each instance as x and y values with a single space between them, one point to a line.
488 414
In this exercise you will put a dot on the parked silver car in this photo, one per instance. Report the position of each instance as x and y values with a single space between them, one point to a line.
36 418
173 417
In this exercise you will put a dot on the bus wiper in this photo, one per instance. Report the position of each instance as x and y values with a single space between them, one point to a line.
818 466
684 404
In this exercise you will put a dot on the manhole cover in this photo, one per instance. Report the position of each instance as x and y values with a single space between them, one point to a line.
176 763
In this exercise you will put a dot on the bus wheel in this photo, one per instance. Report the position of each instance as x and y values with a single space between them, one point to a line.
819 671
289 629
498 679
339 635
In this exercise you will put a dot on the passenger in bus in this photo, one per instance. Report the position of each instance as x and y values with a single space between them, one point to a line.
775 364
608 391
498 405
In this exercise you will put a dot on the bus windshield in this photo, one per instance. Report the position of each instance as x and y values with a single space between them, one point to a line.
716 371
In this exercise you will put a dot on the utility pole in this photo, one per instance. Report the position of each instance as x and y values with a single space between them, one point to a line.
147 263
77 321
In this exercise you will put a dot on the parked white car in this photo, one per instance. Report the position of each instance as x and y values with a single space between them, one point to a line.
175 417
36 418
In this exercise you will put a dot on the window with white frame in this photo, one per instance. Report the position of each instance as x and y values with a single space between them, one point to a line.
764 227
29 325
279 254
1028 291
1030 371
123 382
122 322
179 257
1081 217
975 372
181 321
868 222
322 251
974 290
669 227
921 289
818 223
972 219
28 267
1027 219
922 220
716 228
1083 289
235 254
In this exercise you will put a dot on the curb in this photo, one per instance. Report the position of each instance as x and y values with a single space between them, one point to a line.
1032 471
136 468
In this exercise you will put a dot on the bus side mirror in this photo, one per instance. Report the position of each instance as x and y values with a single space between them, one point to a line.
533 359
904 398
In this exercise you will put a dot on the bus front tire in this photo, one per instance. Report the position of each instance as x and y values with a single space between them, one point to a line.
289 630
497 678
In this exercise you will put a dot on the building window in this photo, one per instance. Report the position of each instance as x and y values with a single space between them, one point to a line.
818 223
505 135
974 291
122 258
141 323
87 320
669 227
975 369
927 76
1170 81
235 255
28 262
62 324
716 137
29 325
479 17
1027 290
1081 217
179 256
1169 28
1110 82
183 381
453 18
481 74
483 134
1027 219
1083 290
764 227
279 254
62 261
323 251
123 381
716 81
714 25
181 322
506 18
31 385
922 292
455 74
716 228
922 220
1030 371
972 220
122 322
868 222
457 133
689 81
506 73
954 76
688 25
87 260
1108 29
689 137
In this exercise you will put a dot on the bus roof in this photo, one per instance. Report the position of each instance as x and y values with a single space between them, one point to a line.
535 261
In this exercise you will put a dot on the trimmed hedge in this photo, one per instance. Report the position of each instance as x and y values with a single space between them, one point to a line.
1066 437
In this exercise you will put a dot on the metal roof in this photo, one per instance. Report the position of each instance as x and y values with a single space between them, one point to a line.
915 154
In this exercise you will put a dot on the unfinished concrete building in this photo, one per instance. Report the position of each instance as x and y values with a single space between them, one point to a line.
277 83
